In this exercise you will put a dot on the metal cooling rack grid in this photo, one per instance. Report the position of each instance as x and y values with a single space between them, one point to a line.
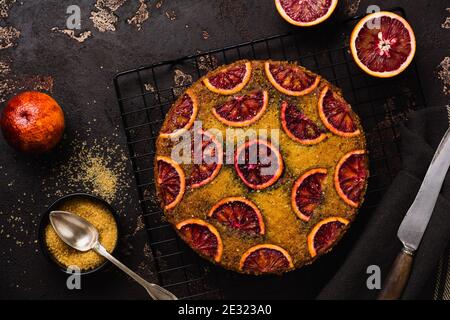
145 94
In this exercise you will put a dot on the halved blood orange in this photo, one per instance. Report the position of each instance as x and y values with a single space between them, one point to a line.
305 13
266 258
229 80
181 116
298 126
336 114
238 213
324 234
202 237
258 163
307 193
350 177
240 111
291 79
207 156
383 44
170 181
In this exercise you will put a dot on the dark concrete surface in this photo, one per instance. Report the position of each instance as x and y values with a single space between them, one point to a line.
82 83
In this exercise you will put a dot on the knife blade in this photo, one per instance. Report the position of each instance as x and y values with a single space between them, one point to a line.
416 220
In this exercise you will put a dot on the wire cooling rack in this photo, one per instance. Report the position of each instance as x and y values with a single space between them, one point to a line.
145 94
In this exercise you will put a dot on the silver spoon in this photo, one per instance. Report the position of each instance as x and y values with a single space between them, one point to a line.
83 236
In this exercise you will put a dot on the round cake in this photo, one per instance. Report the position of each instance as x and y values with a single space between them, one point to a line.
261 166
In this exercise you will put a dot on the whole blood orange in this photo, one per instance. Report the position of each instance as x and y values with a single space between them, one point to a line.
32 122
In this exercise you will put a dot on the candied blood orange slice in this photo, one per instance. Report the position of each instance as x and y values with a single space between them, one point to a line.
202 237
298 126
240 111
305 13
207 156
383 44
350 177
229 80
258 163
290 78
307 193
336 114
266 258
238 213
325 234
181 116
170 181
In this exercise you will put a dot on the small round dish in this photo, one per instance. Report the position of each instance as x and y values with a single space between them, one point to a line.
44 221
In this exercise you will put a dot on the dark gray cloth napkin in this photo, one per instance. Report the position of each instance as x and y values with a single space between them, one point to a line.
378 244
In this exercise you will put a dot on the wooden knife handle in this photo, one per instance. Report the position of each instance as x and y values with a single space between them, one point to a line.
398 276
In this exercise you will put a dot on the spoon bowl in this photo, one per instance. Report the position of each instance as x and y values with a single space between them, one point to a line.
74 230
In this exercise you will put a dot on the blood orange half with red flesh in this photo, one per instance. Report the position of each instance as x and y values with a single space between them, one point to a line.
266 258
325 234
336 114
298 126
383 44
207 157
181 116
305 13
258 163
230 79
202 237
350 177
240 111
238 213
290 78
307 193
170 181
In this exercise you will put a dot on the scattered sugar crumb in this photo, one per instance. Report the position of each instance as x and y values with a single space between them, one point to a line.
444 75
83 36
181 80
104 20
351 7
171 15
140 16
446 23
207 62
5 68
149 87
140 225
205 34
112 5
8 37
5 5
159 4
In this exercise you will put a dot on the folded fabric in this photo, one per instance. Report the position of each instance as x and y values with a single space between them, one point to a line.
378 244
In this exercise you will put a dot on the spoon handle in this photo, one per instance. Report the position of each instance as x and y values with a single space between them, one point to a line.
155 291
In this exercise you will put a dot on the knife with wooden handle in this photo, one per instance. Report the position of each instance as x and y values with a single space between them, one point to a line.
416 220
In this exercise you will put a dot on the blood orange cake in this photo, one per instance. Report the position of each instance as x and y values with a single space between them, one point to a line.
261 166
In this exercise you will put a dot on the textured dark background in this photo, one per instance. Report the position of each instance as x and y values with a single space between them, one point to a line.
82 83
